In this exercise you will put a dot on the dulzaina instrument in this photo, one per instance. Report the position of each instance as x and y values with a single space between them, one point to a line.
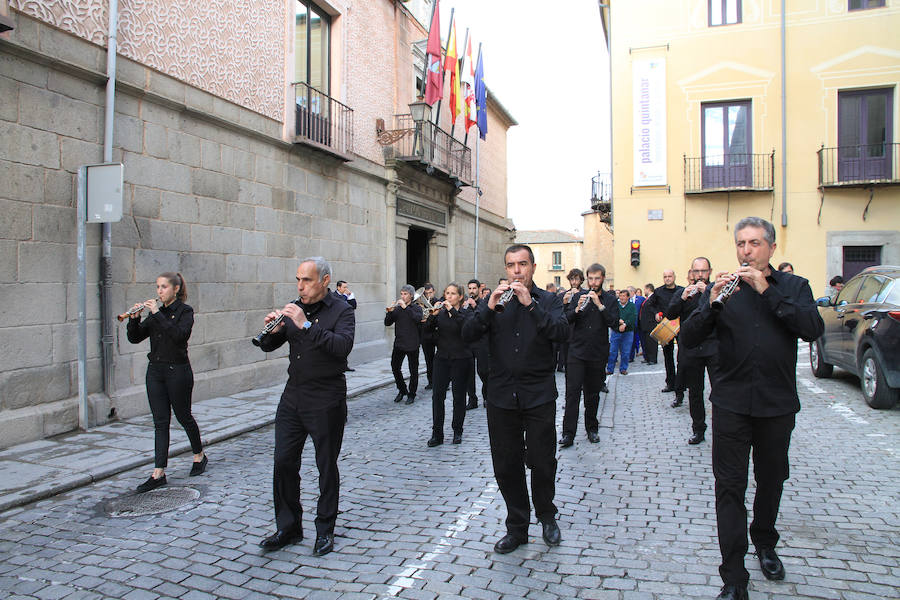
134 311
583 302
270 326
503 300
719 303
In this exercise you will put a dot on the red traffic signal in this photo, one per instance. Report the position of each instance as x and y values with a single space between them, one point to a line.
635 252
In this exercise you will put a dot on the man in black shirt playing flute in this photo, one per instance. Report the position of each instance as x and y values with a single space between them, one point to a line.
521 407
754 396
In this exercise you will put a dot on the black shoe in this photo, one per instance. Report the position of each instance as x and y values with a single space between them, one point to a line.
604 389
566 440
410 399
649 362
733 592
551 532
349 370
508 543
560 369
324 544
696 438
429 386
770 564
457 438
677 402
199 467
593 437
281 538
667 389
151 484
399 397
436 440
473 403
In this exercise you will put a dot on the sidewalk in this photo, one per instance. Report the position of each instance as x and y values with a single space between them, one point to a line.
43 468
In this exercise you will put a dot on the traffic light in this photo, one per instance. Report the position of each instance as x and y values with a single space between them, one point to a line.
635 252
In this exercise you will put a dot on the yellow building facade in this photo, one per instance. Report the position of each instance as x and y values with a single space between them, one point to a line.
705 133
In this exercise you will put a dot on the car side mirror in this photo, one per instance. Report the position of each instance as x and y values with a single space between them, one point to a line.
823 301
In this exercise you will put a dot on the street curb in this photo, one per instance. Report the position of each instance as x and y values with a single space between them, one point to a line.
23 497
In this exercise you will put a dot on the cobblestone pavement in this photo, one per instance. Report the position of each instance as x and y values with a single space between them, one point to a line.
637 514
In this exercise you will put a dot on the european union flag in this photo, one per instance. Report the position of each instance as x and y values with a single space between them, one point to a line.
481 97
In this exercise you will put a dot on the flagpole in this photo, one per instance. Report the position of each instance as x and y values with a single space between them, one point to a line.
477 205
437 115
459 69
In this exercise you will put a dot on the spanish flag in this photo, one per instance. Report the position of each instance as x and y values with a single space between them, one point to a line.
451 63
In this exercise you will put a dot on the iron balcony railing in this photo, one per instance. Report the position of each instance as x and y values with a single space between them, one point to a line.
729 173
427 143
870 164
322 120
601 190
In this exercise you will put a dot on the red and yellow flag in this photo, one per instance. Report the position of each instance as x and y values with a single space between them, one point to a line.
451 63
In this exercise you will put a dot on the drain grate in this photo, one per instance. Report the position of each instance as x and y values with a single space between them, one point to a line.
150 503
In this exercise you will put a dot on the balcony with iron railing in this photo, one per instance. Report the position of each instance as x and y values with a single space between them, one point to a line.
729 173
427 145
322 122
859 165
601 196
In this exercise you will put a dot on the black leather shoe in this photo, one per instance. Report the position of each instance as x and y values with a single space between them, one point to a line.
151 484
593 437
410 399
508 543
199 467
457 438
696 438
604 389
435 440
281 538
472 403
677 402
429 386
551 532
324 544
566 440
667 389
399 397
733 592
770 564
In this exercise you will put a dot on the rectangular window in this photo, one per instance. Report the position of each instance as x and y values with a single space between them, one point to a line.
865 122
556 280
724 12
862 4
557 260
726 140
312 71
857 258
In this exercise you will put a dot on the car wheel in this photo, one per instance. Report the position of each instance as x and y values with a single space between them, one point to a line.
874 386
817 363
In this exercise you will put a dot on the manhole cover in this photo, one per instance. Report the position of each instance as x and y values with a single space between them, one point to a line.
150 503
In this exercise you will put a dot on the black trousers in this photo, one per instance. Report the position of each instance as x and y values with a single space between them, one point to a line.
457 371
480 365
562 356
292 427
693 373
669 358
511 432
412 357
169 390
587 375
733 437
428 349
650 347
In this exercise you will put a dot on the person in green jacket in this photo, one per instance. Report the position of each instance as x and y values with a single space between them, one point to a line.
621 337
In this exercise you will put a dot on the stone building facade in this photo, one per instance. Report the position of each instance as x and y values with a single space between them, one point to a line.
222 183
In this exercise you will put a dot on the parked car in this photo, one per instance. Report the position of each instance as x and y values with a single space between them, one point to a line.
862 334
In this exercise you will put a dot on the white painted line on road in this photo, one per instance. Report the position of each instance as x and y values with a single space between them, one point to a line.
630 373
406 578
847 412
812 387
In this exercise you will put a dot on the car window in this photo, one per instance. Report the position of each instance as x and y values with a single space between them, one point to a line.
893 295
871 288
848 294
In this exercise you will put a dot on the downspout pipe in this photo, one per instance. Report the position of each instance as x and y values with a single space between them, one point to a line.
106 316
784 221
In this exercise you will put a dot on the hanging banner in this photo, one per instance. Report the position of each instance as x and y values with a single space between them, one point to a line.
649 97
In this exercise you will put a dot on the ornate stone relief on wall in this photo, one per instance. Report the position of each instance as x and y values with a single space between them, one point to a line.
224 47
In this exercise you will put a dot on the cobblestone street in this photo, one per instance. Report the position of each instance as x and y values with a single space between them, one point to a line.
636 512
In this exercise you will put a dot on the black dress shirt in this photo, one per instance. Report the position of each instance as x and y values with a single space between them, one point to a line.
407 322
659 302
318 356
589 338
682 309
446 327
521 345
168 329
757 336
